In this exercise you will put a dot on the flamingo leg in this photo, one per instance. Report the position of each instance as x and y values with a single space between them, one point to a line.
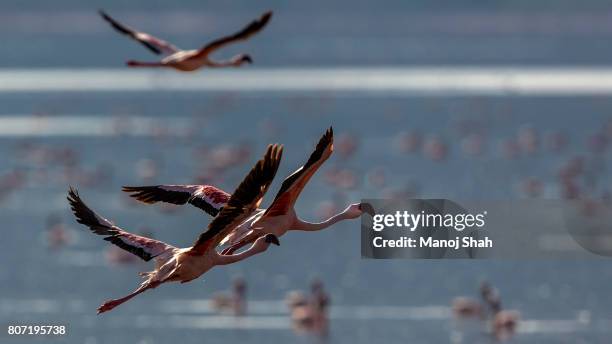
110 304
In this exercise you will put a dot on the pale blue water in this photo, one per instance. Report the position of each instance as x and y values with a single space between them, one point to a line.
73 281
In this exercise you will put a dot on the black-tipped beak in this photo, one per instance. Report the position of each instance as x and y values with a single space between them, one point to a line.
367 208
247 59
272 239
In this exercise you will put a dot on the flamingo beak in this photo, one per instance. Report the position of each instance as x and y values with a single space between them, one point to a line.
272 239
367 208
247 59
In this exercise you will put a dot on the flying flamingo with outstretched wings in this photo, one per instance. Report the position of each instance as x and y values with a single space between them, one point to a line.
174 264
279 218
190 60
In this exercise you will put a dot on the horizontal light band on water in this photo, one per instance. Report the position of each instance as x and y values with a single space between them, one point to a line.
273 316
23 125
427 80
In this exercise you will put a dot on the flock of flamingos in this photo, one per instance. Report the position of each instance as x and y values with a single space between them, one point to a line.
238 221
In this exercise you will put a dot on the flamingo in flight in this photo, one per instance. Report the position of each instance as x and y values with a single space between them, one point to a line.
174 264
189 60
279 218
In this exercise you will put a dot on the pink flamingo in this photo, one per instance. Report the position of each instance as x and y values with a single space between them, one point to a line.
309 313
279 218
503 322
234 302
190 60
174 264
465 307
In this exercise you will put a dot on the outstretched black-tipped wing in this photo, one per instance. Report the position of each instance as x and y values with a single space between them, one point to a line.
152 43
243 201
206 197
294 184
254 27
145 248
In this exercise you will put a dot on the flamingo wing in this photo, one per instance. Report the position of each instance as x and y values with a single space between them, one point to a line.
143 247
294 184
254 27
245 199
156 45
206 197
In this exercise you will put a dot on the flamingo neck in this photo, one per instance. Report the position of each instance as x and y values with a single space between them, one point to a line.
221 259
316 226
225 63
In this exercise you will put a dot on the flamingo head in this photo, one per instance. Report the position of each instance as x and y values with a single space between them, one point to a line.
264 241
355 210
367 208
242 59
246 59
271 239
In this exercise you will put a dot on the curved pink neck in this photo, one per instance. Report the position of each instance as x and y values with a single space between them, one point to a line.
316 226
232 258
225 63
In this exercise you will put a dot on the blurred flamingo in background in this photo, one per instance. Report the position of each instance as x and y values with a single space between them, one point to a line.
466 307
347 145
435 149
57 234
341 178
309 313
598 142
409 142
11 182
532 187
528 139
190 60
503 322
234 302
